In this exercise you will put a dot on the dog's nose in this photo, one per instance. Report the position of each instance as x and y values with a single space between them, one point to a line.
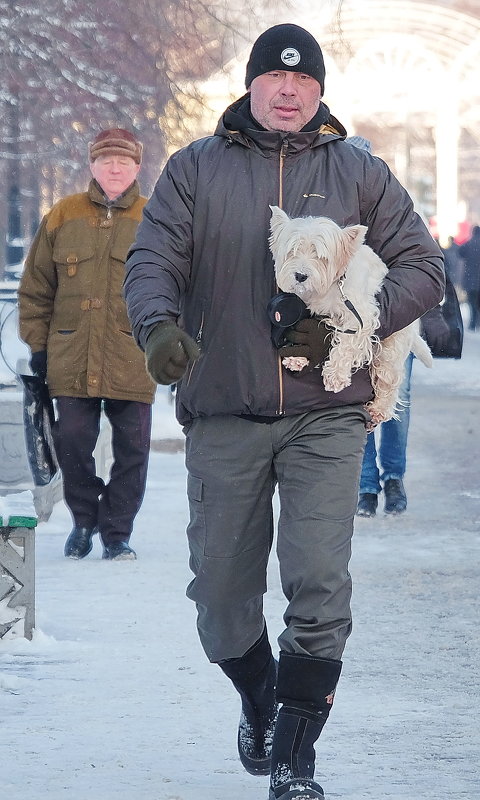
300 277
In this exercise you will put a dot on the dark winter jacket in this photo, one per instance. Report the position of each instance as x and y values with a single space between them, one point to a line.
470 252
201 254
71 302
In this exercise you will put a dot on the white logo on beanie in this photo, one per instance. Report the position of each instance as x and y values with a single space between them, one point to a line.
290 56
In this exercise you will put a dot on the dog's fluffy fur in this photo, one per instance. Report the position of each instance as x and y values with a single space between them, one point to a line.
311 255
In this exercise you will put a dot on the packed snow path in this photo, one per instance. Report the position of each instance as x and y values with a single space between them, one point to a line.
114 699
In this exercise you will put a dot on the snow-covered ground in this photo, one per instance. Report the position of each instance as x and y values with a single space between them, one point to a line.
115 700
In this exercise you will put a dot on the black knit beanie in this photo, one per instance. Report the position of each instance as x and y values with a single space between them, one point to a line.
286 47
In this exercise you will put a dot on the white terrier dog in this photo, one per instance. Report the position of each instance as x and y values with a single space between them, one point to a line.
337 277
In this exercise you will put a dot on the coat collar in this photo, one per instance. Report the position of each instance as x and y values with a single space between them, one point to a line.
125 200
236 125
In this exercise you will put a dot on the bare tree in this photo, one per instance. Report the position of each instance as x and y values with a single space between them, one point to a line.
71 67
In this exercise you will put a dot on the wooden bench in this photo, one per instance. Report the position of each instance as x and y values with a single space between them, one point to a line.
18 521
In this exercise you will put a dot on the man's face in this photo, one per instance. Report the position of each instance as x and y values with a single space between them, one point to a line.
284 100
114 173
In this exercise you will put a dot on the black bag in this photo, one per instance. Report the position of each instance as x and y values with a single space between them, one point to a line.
38 418
453 317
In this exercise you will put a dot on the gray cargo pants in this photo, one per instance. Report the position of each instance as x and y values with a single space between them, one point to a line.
233 467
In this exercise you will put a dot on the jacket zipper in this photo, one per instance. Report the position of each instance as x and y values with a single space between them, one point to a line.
283 152
198 339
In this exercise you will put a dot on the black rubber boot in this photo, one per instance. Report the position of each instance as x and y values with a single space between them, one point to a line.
79 542
305 687
254 676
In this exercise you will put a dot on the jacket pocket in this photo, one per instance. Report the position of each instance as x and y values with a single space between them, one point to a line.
126 372
74 275
66 359
69 259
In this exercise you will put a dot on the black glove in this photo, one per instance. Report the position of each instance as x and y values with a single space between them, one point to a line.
435 329
38 364
310 338
168 350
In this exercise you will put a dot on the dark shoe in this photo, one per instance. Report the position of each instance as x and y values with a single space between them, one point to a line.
395 497
254 676
79 543
367 505
119 551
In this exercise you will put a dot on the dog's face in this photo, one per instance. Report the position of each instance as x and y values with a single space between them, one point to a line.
311 253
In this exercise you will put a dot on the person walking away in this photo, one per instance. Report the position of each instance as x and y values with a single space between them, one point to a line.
72 315
385 466
391 455
469 251
199 279
453 262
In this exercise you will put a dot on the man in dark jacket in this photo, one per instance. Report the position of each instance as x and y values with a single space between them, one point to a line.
199 279
470 253
73 316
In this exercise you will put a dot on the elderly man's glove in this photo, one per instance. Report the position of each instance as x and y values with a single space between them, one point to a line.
38 364
311 339
168 350
435 329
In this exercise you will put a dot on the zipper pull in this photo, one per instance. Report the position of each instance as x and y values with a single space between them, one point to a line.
199 335
109 213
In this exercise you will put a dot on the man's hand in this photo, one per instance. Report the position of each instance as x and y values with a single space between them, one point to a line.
436 330
168 350
311 339
38 364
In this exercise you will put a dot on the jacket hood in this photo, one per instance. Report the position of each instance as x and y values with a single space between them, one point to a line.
236 124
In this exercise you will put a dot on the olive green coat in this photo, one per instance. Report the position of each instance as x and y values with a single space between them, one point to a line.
71 302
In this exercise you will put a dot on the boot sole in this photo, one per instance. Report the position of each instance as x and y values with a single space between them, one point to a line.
300 790
254 767
78 558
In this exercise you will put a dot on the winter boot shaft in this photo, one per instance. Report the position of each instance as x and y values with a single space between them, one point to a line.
307 679
305 687
254 676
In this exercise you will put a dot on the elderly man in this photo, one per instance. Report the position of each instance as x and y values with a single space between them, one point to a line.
73 317
199 279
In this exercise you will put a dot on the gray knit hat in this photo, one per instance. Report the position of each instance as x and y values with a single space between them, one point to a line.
286 47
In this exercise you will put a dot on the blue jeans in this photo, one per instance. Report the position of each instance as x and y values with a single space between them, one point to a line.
392 452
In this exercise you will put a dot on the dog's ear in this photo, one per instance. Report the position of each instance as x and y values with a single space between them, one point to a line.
351 240
277 221
356 236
